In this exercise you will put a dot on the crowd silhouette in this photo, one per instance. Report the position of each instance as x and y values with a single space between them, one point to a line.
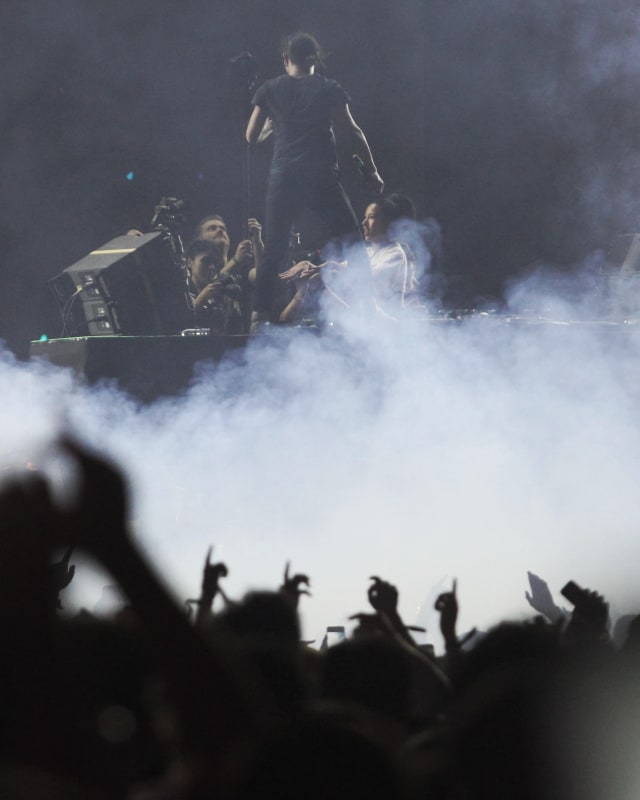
226 701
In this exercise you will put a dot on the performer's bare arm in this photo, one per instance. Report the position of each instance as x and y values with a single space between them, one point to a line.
259 126
346 124
267 130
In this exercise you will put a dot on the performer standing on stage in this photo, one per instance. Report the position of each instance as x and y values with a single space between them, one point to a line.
300 108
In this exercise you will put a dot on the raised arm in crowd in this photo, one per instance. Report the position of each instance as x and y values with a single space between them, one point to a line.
229 702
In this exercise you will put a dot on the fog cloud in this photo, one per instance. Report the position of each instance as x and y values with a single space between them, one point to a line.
478 449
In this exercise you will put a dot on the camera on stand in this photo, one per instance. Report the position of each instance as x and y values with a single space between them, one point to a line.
169 215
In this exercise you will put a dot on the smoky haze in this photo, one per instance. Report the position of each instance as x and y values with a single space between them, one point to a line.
480 449
477 449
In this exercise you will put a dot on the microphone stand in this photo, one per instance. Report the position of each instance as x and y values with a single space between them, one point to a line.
243 75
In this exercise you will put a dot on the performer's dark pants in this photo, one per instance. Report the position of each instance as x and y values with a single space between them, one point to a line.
288 193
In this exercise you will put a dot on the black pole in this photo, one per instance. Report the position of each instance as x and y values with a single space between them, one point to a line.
243 74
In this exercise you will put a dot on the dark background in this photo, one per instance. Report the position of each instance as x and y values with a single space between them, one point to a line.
513 124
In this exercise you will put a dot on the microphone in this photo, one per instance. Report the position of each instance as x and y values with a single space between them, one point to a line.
358 165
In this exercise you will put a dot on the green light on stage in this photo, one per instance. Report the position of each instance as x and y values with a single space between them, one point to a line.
44 338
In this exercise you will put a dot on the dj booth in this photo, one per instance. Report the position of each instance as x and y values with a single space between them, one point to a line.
126 319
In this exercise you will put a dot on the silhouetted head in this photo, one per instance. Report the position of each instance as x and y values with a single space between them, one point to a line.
302 50
371 672
263 615
264 627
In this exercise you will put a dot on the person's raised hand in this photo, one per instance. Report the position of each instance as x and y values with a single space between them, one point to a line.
383 596
293 586
244 255
447 605
211 575
302 269
212 291
590 618
541 599
254 229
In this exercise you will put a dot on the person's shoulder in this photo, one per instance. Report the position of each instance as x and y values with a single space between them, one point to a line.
269 86
273 84
327 83
394 246
334 89
391 253
320 78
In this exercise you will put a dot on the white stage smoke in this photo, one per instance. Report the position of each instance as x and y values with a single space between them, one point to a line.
421 451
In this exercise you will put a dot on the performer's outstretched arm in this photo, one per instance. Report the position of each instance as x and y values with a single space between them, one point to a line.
344 121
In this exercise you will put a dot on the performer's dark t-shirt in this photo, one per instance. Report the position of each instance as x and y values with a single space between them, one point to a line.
300 109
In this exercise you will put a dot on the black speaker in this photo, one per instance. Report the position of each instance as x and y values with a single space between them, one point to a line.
83 307
131 286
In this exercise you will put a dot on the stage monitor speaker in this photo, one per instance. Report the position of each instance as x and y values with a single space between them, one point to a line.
131 285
